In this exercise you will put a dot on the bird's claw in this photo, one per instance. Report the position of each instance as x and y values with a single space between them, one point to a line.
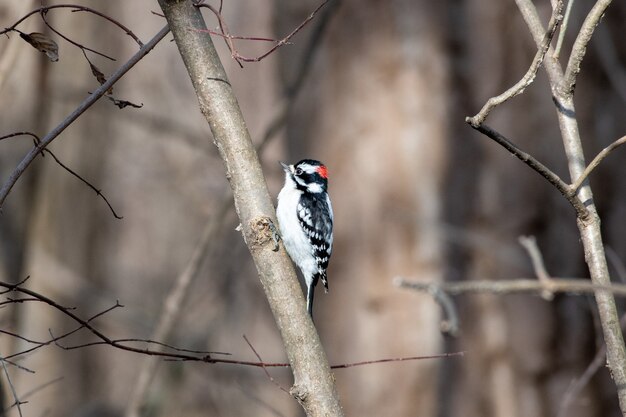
275 236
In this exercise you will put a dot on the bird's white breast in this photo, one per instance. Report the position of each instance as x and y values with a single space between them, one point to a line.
295 240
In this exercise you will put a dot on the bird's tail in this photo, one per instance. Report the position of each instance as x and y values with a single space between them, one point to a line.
309 299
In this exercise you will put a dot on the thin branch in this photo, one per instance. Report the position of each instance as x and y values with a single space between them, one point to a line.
13 49
76 8
88 102
267 373
304 68
179 354
410 358
229 38
530 75
65 167
574 389
537 166
563 29
596 161
97 190
525 285
35 390
76 44
580 44
18 366
530 244
576 386
451 324
13 392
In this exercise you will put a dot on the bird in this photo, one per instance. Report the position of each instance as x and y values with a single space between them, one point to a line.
305 220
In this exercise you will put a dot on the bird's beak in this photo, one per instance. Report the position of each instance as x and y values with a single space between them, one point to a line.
286 167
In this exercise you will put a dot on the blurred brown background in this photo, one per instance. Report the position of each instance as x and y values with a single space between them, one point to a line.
416 194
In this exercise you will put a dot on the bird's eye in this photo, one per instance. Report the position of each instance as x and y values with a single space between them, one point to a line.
298 171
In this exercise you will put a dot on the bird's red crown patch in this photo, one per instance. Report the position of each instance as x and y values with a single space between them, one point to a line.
323 171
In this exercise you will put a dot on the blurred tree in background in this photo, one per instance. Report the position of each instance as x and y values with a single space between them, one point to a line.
379 92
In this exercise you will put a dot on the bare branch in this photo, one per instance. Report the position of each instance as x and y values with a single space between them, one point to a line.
74 8
95 96
410 358
577 385
530 75
267 373
563 29
13 392
229 38
525 285
530 244
65 167
537 166
580 44
588 220
97 190
573 391
78 45
451 324
596 161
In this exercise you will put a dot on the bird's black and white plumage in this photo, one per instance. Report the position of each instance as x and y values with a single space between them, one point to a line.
305 216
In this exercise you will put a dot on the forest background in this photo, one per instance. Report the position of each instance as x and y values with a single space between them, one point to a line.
379 91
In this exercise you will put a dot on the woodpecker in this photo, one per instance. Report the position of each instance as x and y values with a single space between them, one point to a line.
305 217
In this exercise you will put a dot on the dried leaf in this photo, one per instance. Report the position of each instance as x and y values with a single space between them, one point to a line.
43 44
123 103
100 76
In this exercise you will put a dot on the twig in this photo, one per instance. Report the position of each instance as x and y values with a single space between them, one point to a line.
97 190
451 324
77 8
13 49
55 339
39 388
180 354
524 285
537 166
530 75
530 244
18 366
580 45
65 167
596 161
229 38
13 392
563 29
410 358
578 384
304 69
267 373
90 100
76 44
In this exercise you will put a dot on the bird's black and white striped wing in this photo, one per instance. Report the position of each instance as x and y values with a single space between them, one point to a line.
315 215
